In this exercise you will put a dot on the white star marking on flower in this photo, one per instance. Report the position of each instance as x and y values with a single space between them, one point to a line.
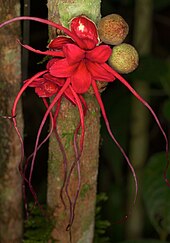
81 27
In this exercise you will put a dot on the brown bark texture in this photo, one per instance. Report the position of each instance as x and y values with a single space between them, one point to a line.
10 180
83 225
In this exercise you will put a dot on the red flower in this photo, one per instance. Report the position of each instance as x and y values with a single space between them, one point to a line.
86 30
79 59
81 66
83 62
44 88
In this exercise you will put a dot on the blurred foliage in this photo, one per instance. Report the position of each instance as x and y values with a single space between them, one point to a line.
111 171
165 79
156 194
166 109
100 224
37 227
158 4
153 70
143 241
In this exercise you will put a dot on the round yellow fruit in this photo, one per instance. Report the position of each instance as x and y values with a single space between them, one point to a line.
124 58
113 29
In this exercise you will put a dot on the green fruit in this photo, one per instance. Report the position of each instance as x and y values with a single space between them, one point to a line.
113 29
124 58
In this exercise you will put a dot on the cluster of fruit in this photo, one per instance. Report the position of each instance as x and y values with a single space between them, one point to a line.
113 29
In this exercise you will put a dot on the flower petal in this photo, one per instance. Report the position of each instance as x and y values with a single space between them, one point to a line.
46 90
59 42
99 54
50 78
86 30
51 62
98 72
40 91
61 68
50 88
73 53
81 79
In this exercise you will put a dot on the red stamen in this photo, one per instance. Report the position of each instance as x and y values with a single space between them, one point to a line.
97 94
55 100
27 162
48 22
122 80
15 121
77 161
81 112
21 92
65 161
55 53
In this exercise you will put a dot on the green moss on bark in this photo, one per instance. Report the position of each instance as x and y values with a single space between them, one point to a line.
62 11
68 10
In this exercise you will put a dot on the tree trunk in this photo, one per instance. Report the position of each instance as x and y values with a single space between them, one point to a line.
140 121
82 230
10 180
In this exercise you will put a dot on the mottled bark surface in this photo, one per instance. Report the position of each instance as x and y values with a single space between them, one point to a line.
82 230
10 181
83 225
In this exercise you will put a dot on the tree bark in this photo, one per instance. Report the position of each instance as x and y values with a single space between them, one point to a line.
82 230
140 120
10 180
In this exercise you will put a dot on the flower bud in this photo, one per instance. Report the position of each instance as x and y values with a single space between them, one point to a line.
85 29
113 29
124 58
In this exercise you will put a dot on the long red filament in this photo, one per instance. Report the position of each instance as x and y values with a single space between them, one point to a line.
77 161
15 121
48 22
81 112
26 165
65 161
21 92
47 53
122 80
112 136
45 139
57 97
